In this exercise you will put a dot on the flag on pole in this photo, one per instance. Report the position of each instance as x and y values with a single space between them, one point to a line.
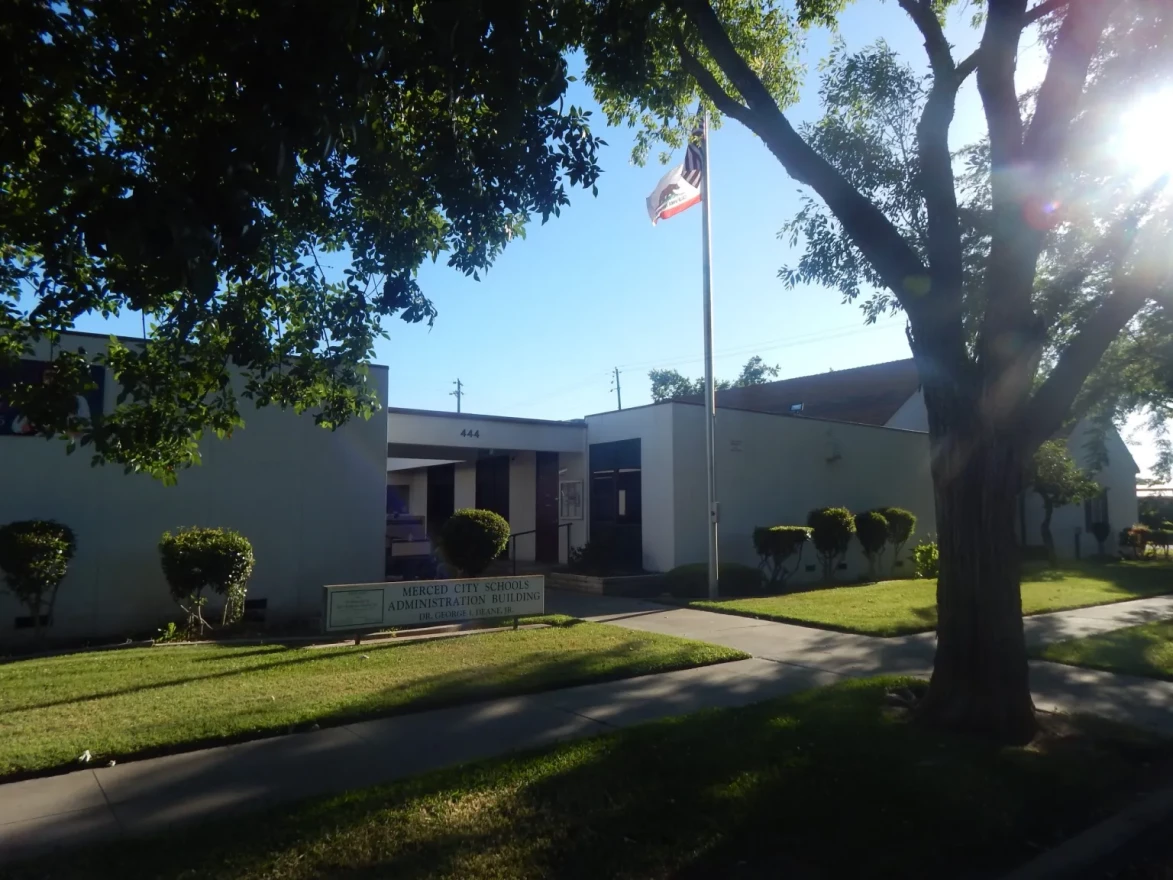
679 189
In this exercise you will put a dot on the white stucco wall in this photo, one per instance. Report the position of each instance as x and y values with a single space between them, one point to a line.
465 490
1118 476
311 501
523 498
912 415
653 426
772 470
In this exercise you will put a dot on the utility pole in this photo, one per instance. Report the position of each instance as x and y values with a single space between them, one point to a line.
458 393
616 389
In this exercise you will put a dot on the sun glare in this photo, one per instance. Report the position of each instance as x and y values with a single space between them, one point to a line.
1145 139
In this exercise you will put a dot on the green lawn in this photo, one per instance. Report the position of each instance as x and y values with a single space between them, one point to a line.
153 700
823 784
893 608
1138 650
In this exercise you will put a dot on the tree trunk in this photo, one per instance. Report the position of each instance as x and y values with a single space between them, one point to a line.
1048 538
980 680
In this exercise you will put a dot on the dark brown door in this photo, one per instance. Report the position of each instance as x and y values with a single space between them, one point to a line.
546 515
441 496
493 484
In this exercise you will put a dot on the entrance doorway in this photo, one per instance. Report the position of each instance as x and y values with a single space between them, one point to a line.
617 500
546 514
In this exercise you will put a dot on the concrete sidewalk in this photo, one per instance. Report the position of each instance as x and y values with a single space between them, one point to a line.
142 797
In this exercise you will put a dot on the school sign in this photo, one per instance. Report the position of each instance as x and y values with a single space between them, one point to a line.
414 603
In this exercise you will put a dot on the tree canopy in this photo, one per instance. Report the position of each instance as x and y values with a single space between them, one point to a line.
671 384
1030 268
1058 480
193 164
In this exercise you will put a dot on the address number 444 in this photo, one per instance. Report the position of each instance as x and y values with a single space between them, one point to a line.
467 433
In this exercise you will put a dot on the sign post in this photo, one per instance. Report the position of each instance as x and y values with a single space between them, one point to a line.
370 607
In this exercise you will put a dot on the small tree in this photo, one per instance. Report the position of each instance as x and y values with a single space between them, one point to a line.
471 539
901 525
774 546
871 527
34 556
831 531
1101 531
1059 481
197 558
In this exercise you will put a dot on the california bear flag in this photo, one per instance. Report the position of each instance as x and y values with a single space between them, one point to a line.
679 189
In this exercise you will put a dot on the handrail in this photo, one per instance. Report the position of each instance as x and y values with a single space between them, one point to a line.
513 545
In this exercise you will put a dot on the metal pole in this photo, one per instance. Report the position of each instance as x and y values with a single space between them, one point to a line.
710 391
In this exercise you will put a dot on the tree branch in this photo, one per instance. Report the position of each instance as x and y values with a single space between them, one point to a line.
1053 399
1042 10
935 168
937 47
865 224
967 66
1058 98
721 99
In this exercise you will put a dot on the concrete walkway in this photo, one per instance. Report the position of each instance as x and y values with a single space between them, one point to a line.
143 797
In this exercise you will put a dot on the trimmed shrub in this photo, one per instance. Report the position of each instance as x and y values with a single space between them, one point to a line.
1101 531
775 545
1136 539
1160 538
692 581
195 559
871 528
831 531
472 538
596 557
927 559
901 525
34 556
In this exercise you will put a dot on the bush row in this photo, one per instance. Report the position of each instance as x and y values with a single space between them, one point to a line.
830 530
35 556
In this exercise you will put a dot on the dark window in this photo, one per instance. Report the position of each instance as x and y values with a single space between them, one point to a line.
1095 510
398 498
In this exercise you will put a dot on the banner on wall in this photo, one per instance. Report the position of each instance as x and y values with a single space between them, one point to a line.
14 424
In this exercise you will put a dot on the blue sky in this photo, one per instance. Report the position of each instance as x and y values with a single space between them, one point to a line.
600 287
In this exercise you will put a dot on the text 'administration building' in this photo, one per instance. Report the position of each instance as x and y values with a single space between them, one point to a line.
636 478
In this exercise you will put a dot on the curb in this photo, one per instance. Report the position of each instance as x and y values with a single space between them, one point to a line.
1077 855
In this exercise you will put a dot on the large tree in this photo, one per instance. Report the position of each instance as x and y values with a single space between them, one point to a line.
890 217
196 164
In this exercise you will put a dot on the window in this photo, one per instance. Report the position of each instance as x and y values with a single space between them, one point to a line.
570 499
1095 510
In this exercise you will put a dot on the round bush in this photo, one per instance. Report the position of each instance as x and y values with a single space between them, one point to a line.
831 531
217 559
901 524
927 559
471 539
692 581
34 556
871 528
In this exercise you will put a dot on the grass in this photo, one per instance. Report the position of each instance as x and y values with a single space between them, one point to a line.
1145 650
893 608
826 783
154 700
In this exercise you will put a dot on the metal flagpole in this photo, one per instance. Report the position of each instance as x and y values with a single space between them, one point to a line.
710 391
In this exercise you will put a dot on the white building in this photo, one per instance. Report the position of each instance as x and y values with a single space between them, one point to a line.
855 438
354 505
310 500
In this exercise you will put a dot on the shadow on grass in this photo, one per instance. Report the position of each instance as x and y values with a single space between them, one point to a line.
529 673
822 784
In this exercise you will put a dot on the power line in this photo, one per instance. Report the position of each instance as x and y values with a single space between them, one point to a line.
766 345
